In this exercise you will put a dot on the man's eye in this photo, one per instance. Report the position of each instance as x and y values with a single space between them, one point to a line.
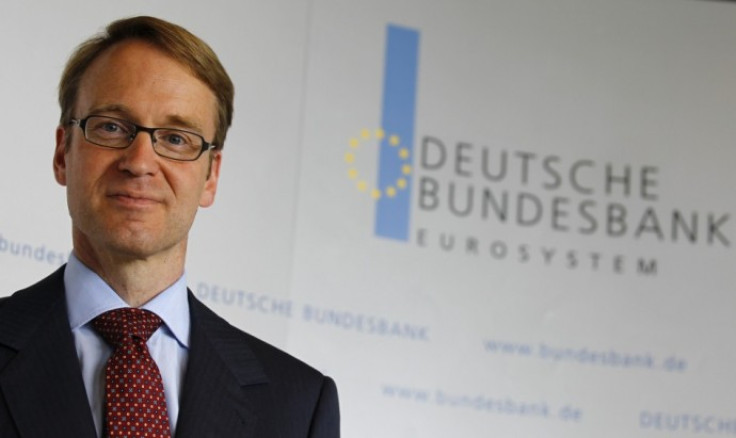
176 139
110 127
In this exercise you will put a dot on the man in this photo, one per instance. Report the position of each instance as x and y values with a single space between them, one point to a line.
145 109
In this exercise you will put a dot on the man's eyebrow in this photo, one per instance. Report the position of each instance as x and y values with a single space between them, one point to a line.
120 110
177 121
171 121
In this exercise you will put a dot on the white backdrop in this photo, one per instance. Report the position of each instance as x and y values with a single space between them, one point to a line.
564 168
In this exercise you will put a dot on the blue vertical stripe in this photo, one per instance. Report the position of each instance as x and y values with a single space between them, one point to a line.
399 107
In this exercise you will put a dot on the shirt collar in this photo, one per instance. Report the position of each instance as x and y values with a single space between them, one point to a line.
87 296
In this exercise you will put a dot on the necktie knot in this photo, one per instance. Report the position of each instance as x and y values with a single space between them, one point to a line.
122 326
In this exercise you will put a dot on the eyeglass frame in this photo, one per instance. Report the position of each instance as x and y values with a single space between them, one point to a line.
82 123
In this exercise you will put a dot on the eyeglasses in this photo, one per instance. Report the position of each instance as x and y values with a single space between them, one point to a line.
111 132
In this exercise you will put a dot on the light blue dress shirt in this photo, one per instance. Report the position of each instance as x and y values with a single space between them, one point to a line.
88 296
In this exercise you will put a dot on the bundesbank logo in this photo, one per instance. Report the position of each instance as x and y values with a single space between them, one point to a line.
395 137
550 190
555 192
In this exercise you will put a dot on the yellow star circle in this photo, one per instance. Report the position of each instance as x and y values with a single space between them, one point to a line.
355 144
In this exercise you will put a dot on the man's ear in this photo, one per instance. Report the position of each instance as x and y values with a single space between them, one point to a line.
60 156
210 185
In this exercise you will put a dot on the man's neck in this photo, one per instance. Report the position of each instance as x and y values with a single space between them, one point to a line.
136 280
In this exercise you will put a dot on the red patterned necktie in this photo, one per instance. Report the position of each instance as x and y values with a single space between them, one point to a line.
134 393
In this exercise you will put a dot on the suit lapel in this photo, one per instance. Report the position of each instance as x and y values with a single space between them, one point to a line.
40 376
220 365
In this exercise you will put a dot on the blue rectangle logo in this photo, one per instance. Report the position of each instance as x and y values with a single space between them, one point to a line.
396 150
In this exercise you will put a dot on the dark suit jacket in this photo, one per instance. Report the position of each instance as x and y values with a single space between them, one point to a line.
235 385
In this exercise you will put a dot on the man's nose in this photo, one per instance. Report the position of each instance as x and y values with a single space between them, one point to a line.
139 158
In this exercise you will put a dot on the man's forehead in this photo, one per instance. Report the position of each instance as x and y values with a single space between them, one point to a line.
134 53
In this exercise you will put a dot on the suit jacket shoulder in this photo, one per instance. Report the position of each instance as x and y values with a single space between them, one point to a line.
41 388
22 312
250 387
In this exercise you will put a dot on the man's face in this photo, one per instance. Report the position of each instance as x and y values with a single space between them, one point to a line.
132 202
